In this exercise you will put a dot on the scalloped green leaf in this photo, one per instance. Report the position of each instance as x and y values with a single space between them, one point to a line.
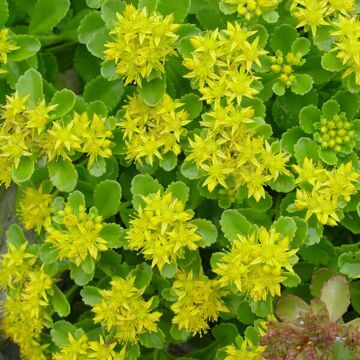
328 156
4 12
30 84
109 92
283 37
180 9
207 230
153 90
301 46
330 108
109 9
47 14
286 226
59 302
302 84
179 191
309 115
64 100
107 198
234 224
24 170
306 147
330 62
90 295
63 175
27 46
144 185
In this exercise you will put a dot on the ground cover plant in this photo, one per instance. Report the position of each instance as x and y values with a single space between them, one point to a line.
186 176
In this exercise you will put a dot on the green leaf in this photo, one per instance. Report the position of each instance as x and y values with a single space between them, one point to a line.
110 264
306 148
283 37
108 12
309 115
4 12
143 275
349 103
234 224
150 5
225 333
271 17
279 88
109 92
48 254
330 109
90 295
144 185
60 333
114 234
15 236
192 104
189 170
80 277
169 161
94 4
108 71
98 167
291 279
24 170
152 91
328 156
336 305
63 175
88 265
286 226
169 271
207 230
289 139
284 183
179 335
330 62
65 100
227 9
302 232
47 14
27 46
349 264
355 295
180 9
93 33
179 191
290 307
302 84
318 279
30 84
301 46
151 340
107 197
59 302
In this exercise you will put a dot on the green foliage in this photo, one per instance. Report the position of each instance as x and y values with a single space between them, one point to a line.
240 119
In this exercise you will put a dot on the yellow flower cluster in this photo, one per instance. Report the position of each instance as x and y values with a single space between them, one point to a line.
347 45
124 312
25 132
199 301
251 8
255 263
162 229
246 351
229 148
141 43
82 349
330 190
25 309
284 67
77 235
35 208
221 64
6 47
314 13
151 132
81 134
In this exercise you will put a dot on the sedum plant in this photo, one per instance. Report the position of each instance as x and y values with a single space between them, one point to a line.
185 177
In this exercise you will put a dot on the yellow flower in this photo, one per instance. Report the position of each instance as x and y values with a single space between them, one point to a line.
255 263
246 351
343 6
221 64
250 8
6 46
35 209
124 311
151 132
141 43
228 149
78 235
199 301
94 136
15 106
76 349
104 351
162 229
39 116
28 306
15 265
331 190
60 140
310 13
347 45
